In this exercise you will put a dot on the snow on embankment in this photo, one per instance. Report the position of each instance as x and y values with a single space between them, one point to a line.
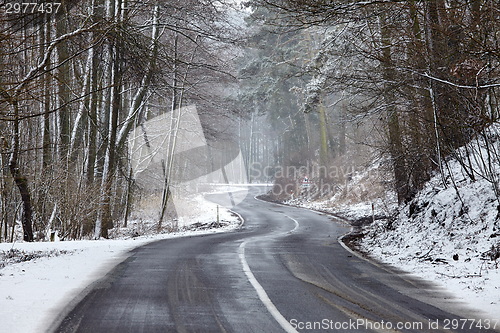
354 198
449 234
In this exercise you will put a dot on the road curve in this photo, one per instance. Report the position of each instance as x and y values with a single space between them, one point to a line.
283 271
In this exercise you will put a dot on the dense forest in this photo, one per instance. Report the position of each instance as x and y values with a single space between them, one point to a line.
320 85
405 83
75 79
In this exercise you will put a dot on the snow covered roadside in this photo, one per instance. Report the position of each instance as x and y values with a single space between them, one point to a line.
452 241
470 279
447 235
33 292
426 249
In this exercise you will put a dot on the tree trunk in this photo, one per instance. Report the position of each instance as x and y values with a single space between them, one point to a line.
323 153
63 77
97 14
395 143
3 189
20 180
104 221
92 121
47 149
81 117
418 161
109 162
342 120
308 131
128 197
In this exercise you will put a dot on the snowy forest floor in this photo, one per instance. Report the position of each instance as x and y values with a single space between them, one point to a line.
38 279
445 234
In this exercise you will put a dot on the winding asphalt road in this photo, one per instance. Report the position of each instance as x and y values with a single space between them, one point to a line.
283 271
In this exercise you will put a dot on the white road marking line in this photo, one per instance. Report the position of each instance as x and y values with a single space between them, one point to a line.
262 293
294 220
239 215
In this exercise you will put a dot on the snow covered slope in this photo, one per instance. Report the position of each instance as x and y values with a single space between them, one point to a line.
448 233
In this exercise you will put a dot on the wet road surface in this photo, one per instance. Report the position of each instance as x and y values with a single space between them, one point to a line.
283 271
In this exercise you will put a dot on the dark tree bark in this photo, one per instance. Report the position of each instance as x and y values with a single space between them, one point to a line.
63 78
47 149
420 108
19 179
395 143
